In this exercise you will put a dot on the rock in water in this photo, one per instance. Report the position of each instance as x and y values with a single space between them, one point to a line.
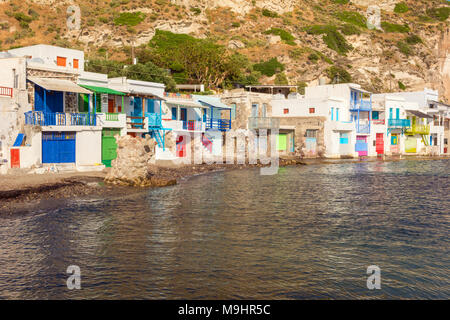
133 167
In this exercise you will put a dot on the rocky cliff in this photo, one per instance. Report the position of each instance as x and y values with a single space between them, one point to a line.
388 59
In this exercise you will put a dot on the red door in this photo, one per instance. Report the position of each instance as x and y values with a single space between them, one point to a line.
181 147
111 106
380 143
15 158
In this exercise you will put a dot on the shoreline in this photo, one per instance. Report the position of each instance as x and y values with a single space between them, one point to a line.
25 189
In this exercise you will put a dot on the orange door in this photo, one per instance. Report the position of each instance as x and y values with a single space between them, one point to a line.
15 158
111 106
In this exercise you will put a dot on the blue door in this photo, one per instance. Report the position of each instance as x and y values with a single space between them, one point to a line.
48 101
58 147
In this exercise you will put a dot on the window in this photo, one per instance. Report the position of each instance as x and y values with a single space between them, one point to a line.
75 63
233 111
264 110
285 111
337 114
254 110
174 113
311 133
390 113
61 61
375 115
332 113
397 113
312 110
343 138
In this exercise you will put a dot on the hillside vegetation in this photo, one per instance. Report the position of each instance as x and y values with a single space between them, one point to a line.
249 42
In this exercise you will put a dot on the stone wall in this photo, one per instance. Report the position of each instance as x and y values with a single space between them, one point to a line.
71 100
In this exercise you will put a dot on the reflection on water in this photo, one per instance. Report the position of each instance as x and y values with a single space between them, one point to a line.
308 232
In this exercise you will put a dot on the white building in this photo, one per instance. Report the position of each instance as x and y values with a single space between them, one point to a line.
63 58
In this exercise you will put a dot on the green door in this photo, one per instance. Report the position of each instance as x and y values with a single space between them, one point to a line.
109 146
282 142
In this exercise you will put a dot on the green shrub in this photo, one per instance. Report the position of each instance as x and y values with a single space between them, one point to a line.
401 85
332 37
401 7
301 85
339 74
129 18
341 1
269 13
196 11
404 48
392 27
353 17
349 29
440 14
313 57
281 79
284 35
22 17
235 24
269 67
336 41
413 39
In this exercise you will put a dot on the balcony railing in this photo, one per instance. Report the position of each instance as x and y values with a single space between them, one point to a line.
192 125
418 129
379 122
154 120
6 92
60 119
112 116
361 105
263 123
363 128
136 122
218 124
399 123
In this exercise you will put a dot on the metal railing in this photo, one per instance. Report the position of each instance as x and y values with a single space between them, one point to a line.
219 124
111 116
6 91
60 119
399 123
263 123
363 128
154 120
361 105
192 125
418 129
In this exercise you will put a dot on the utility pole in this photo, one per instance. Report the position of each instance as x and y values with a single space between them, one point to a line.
132 51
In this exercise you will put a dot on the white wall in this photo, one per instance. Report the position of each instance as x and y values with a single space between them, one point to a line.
89 147
50 53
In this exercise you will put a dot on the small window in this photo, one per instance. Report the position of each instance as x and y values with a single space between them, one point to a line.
75 63
174 113
61 61
285 111
233 111
375 115
312 110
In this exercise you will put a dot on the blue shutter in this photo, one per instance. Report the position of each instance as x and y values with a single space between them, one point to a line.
332 113
174 113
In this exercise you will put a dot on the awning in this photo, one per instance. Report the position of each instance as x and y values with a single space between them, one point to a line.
419 114
185 103
102 90
58 85
146 95
212 102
